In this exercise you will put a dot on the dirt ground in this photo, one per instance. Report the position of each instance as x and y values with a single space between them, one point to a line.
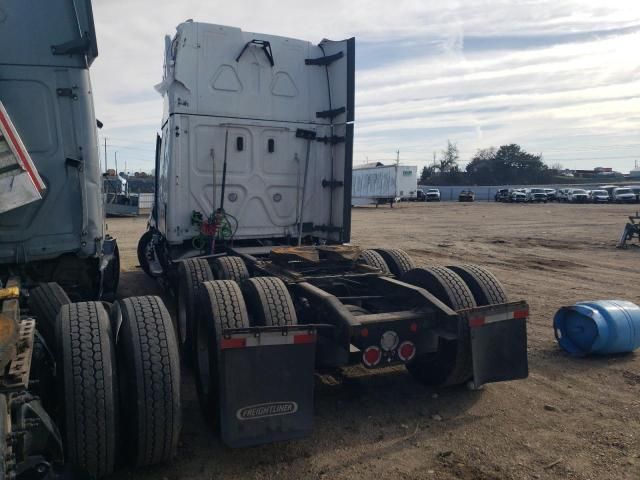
572 418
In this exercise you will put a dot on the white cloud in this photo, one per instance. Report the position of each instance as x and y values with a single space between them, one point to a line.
572 99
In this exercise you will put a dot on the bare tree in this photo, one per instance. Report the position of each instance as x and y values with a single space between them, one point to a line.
449 158
557 166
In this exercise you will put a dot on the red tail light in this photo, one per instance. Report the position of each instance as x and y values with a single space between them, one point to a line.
233 343
406 351
371 356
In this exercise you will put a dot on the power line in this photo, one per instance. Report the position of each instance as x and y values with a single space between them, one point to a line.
126 147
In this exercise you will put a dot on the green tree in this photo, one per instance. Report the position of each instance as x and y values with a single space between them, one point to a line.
427 172
508 164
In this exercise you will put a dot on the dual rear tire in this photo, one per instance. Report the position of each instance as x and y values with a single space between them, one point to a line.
192 273
388 260
119 385
224 304
458 287
398 261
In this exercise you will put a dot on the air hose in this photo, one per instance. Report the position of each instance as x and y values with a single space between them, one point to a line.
220 226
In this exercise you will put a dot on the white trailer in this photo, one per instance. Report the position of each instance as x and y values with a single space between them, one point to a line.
380 184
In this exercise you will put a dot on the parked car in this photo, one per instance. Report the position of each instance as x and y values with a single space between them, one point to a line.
609 189
518 196
623 195
551 194
432 195
536 195
599 196
502 195
466 196
636 190
577 195
562 195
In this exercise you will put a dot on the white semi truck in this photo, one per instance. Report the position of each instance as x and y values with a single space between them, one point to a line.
250 230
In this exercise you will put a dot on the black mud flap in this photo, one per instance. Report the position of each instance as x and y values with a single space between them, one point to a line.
498 342
266 384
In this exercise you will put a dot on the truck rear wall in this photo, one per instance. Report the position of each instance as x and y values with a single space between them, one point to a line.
214 85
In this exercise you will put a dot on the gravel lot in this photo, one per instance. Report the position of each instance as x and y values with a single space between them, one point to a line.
572 418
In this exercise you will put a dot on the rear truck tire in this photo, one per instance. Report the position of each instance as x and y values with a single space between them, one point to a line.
221 306
88 387
45 302
373 259
143 250
149 380
269 302
485 287
230 268
451 364
191 274
398 261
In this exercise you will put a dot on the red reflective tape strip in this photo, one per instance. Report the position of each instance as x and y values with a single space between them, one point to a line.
233 343
26 164
476 321
519 314
304 338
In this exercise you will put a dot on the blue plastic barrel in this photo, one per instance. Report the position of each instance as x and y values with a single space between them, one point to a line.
600 327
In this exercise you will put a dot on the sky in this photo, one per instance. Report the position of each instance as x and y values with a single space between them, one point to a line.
560 78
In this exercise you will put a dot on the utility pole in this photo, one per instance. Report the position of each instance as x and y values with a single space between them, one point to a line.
398 157
116 157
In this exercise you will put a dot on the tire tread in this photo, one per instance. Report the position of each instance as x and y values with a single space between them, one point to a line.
269 300
230 268
88 390
398 261
45 302
374 259
155 369
450 289
191 273
486 288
